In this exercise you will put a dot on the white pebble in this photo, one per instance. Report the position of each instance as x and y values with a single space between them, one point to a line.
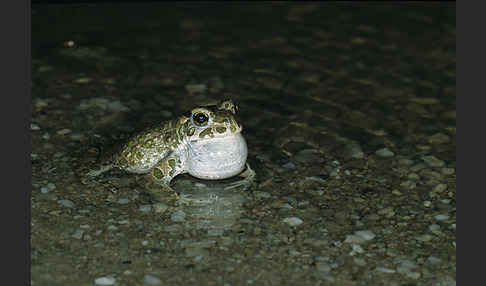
34 127
63 131
178 216
78 234
151 280
433 260
66 203
145 208
365 234
441 217
440 188
105 281
123 201
434 228
357 248
293 221
351 238
385 270
160 207
385 152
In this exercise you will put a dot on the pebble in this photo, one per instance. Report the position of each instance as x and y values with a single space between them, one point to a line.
160 207
63 131
193 88
105 281
215 231
123 201
45 68
424 238
439 138
406 268
66 203
83 80
417 167
439 188
413 176
408 184
413 275
178 216
357 248
385 270
34 127
289 165
385 153
151 280
425 100
323 266
78 234
286 206
145 208
355 151
365 234
441 217
293 221
433 260
405 162
448 171
433 161
359 261
351 238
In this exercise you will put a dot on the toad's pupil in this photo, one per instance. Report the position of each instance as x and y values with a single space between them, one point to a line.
200 118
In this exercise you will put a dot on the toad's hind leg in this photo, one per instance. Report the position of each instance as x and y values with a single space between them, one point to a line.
158 183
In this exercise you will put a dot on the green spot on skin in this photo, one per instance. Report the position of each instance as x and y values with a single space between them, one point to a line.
233 128
160 150
158 174
208 132
172 163
190 131
219 119
220 129
139 155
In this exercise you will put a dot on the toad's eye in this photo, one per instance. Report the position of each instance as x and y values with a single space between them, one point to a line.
200 118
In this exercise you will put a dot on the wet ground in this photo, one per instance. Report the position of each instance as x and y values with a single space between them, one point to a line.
350 117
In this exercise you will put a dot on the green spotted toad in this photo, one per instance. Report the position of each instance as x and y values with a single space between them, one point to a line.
205 142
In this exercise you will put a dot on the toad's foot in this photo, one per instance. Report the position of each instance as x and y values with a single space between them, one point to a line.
248 179
164 193
99 171
89 175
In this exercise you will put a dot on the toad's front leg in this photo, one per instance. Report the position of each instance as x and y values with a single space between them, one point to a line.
248 179
159 178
